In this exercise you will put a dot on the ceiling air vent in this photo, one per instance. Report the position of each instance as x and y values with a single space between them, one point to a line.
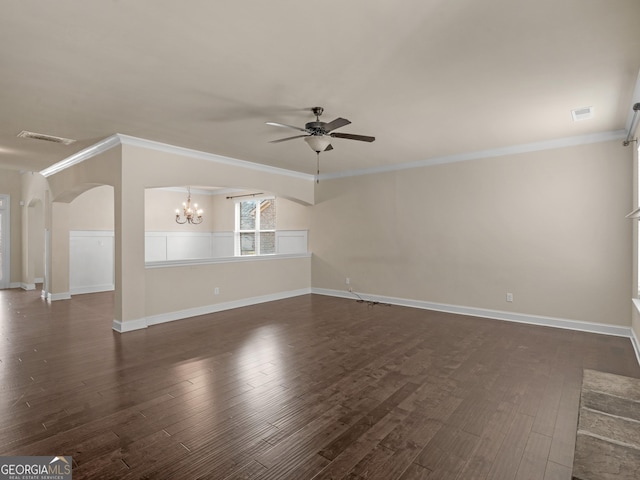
46 138
583 113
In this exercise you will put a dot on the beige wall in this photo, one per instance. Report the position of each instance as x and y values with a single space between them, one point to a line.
10 184
223 211
92 210
292 215
175 289
35 235
547 226
156 168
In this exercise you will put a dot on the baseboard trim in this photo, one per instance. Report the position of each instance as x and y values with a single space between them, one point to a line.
138 324
54 297
129 325
485 313
15 285
28 286
636 344
92 289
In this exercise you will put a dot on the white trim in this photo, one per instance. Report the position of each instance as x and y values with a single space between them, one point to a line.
92 289
38 280
177 234
485 313
208 261
91 233
15 285
141 323
636 344
84 154
494 152
200 191
54 297
634 338
28 286
121 139
188 152
129 325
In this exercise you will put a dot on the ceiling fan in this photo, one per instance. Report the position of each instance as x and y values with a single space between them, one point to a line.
318 134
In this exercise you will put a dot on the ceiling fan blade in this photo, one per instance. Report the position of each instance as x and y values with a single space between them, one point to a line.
337 123
350 136
288 138
329 147
276 124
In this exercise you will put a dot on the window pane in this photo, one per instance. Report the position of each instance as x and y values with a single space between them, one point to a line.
248 215
268 214
247 244
267 243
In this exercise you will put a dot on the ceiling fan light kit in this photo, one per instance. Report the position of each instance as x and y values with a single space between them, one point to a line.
318 143
318 134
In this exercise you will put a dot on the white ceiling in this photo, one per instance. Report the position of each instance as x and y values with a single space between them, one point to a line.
427 78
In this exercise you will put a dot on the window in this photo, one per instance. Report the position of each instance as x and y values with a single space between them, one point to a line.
256 227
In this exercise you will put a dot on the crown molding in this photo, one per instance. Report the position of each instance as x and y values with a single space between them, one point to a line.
120 139
211 157
494 152
84 154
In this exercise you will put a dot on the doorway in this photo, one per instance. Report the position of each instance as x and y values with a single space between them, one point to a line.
5 236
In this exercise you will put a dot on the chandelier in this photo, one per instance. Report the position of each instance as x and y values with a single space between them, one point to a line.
189 214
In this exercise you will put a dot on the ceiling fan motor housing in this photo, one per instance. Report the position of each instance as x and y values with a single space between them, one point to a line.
315 128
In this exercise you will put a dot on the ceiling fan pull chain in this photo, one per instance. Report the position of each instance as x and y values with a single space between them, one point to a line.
318 167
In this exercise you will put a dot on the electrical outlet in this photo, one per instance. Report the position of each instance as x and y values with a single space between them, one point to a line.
347 281
216 291
509 297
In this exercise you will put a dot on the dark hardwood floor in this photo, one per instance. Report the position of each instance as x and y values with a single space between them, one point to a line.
311 387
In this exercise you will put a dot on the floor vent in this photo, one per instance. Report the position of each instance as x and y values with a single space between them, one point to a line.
46 138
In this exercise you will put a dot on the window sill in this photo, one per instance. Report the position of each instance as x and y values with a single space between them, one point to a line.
213 261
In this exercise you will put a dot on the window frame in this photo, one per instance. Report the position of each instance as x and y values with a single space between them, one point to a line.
257 230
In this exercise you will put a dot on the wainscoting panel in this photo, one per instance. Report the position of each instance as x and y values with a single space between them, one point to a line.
91 261
155 247
291 241
170 246
222 244
182 246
